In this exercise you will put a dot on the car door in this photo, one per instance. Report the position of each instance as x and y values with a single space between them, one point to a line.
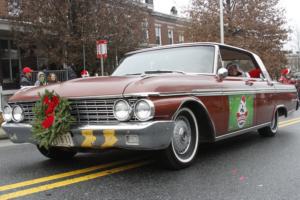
264 104
240 99
240 91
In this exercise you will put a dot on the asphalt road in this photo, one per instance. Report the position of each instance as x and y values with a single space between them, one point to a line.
245 167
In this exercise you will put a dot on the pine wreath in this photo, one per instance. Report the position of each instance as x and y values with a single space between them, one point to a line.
52 118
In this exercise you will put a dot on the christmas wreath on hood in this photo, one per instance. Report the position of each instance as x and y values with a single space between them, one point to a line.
52 118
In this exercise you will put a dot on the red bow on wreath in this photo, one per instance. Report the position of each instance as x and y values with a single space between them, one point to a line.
51 105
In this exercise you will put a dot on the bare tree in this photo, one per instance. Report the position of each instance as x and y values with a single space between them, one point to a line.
257 25
61 30
297 39
297 36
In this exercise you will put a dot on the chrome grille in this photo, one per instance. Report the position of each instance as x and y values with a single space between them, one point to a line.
93 111
85 111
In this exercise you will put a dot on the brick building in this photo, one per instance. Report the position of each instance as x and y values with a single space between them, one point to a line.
163 29
158 28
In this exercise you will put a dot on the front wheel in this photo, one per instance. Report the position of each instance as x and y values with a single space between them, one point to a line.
56 153
185 139
270 131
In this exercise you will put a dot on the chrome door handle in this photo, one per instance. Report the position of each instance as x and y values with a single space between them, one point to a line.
270 83
250 83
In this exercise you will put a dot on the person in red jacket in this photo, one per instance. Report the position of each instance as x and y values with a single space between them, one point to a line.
284 77
26 77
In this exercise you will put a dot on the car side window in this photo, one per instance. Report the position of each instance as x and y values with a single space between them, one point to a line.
240 63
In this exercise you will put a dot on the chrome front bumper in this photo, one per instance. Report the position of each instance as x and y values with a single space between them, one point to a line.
136 135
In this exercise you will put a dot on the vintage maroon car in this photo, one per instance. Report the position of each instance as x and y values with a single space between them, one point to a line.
169 98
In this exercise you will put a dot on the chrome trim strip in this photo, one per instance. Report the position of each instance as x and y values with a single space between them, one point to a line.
239 132
216 59
142 94
122 126
118 126
96 97
209 92
75 98
16 125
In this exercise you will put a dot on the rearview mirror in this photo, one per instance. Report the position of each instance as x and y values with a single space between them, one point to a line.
222 73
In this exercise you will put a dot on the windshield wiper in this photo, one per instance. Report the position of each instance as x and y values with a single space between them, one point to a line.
163 72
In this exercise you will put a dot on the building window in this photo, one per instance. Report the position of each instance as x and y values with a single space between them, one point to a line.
145 28
14 7
9 62
181 37
158 34
171 36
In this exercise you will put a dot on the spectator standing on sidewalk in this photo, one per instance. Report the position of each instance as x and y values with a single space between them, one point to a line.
26 77
41 79
52 78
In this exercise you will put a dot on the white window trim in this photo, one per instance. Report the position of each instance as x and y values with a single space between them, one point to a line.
171 30
181 35
160 39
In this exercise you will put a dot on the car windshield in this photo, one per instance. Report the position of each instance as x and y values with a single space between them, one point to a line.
198 59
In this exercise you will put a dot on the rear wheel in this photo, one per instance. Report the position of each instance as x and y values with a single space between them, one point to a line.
57 153
270 131
185 139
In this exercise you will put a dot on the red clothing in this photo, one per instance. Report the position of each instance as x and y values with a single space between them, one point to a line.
255 73
285 80
84 72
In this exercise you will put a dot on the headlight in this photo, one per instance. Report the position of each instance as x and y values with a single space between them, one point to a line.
17 114
7 113
144 110
122 110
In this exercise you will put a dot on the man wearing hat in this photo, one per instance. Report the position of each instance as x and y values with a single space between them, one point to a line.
26 77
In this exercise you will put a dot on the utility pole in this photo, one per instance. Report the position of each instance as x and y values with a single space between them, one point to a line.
84 59
221 22
83 48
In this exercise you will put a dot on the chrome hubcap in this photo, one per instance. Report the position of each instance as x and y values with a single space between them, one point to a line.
182 135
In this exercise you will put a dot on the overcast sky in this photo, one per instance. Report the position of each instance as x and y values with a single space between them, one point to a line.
292 10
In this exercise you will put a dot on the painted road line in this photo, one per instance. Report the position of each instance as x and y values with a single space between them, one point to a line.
63 175
71 181
289 124
290 120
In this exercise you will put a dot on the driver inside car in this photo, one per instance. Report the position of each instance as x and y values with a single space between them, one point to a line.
234 70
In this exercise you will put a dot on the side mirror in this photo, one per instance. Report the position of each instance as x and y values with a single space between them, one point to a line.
222 74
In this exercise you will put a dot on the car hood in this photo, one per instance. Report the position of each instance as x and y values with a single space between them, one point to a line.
112 86
83 87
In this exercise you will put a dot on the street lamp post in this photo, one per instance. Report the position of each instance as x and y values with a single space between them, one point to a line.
221 22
